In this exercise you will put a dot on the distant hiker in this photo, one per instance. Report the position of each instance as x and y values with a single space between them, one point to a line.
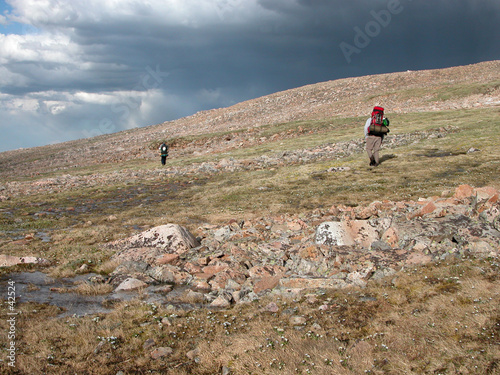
376 128
163 152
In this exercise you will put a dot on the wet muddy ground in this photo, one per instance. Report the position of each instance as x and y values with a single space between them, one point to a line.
22 225
55 213
40 288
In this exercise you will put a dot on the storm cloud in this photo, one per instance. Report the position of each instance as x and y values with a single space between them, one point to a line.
71 70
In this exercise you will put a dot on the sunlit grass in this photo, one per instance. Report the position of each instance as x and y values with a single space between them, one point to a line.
437 318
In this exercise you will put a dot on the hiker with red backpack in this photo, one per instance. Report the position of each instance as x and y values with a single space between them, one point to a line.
376 127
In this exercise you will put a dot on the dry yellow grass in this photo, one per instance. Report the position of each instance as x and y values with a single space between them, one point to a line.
435 319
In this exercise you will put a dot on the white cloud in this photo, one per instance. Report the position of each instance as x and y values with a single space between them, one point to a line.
97 98
15 105
55 107
192 13
42 48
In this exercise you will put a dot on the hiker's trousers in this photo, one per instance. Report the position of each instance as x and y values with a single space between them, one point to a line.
373 144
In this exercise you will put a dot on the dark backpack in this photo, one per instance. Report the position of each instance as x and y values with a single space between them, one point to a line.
378 127
164 150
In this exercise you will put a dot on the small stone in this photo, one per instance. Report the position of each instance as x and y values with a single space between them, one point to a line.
161 352
464 191
482 248
272 307
380 246
220 302
99 347
83 268
131 284
8 260
148 344
233 285
195 297
166 322
192 354
297 320
294 226
267 283
428 208
167 259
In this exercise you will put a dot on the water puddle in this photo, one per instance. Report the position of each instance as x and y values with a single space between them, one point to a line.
44 236
40 288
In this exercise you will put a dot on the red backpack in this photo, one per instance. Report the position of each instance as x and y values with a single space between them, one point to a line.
377 126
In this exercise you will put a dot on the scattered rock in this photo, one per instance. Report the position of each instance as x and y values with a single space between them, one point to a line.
159 353
9 261
131 284
272 307
167 239
346 233
148 344
195 297
267 283
241 262
464 191
221 301
193 354
333 234
297 320
167 259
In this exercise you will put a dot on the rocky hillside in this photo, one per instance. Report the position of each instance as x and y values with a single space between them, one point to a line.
472 86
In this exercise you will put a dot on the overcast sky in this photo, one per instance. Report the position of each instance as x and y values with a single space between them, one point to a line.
72 69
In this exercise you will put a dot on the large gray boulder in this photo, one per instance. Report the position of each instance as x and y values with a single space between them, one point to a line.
346 233
9 260
150 246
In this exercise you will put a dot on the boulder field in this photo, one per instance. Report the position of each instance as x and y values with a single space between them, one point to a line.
336 248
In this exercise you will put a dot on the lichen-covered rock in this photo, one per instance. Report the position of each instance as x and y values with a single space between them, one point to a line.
131 284
346 233
9 260
169 238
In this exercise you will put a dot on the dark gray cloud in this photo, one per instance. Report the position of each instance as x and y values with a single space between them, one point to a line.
80 69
